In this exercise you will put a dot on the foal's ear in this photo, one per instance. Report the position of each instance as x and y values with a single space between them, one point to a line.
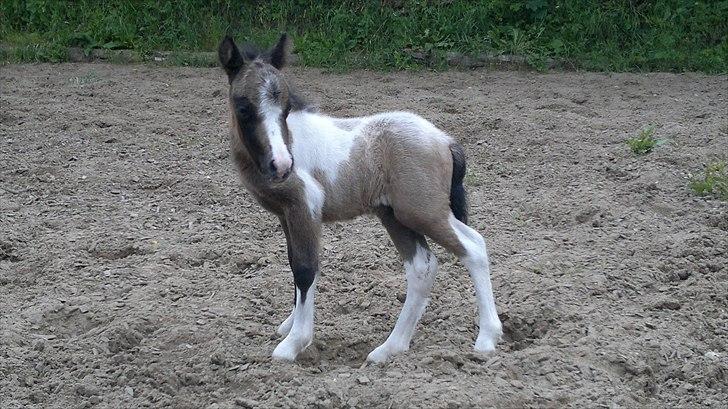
280 53
230 57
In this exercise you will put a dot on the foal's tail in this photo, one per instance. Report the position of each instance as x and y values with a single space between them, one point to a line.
458 201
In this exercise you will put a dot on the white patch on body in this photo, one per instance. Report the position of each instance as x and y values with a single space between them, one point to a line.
476 261
412 126
301 333
271 113
420 272
315 195
318 143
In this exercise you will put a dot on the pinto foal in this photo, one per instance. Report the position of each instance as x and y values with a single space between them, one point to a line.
308 168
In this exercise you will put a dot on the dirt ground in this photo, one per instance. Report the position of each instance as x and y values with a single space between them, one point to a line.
135 271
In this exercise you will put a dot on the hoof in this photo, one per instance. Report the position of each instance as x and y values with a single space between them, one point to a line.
383 353
487 340
485 345
290 347
284 353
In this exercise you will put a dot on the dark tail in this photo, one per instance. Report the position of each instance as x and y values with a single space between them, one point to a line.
458 200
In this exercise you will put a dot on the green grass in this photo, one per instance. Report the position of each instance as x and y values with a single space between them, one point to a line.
87 78
614 35
713 181
644 142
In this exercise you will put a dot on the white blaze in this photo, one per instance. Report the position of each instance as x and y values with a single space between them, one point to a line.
271 113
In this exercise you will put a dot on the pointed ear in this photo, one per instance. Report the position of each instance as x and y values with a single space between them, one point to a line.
229 56
280 53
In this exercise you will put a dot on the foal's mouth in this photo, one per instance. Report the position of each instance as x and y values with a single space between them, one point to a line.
283 178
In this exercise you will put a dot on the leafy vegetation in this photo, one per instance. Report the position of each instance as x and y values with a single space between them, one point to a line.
644 142
673 35
713 181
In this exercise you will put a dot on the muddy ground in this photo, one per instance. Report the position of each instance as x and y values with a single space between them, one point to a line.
136 272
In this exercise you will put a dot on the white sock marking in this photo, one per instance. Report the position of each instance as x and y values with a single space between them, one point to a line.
301 333
286 325
420 272
476 261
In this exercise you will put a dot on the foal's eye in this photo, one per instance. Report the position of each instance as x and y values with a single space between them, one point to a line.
245 113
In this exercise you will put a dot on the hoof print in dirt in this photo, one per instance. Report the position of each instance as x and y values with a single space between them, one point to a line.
521 332
7 252
119 249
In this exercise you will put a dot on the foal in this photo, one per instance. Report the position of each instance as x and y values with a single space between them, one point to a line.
308 168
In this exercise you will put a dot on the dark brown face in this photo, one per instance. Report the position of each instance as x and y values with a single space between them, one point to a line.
259 104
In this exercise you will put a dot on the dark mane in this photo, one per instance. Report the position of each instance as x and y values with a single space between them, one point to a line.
298 103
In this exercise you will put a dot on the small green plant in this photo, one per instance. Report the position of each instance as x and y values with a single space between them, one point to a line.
84 79
714 181
644 142
472 179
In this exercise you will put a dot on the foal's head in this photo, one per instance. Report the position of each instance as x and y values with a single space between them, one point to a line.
260 103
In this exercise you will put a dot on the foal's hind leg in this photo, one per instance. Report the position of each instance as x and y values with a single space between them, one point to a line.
420 267
470 248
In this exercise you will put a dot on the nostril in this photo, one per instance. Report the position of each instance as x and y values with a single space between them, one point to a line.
272 167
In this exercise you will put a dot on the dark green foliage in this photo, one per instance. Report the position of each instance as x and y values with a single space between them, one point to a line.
673 35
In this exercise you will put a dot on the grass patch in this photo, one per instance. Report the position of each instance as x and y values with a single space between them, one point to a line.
663 35
87 78
713 181
645 141
472 179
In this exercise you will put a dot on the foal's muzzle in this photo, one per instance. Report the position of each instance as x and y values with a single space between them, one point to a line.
279 172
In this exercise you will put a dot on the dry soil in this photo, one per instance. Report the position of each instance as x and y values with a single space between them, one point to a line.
135 271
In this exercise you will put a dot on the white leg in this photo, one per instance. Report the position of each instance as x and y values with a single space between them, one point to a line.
420 271
301 333
476 261
286 325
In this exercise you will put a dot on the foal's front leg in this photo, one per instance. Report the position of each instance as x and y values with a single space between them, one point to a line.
286 325
302 237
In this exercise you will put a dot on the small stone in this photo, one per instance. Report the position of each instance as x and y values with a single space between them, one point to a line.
95 400
39 346
246 403
683 274
217 359
517 384
87 390
129 391
500 382
363 380
667 305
